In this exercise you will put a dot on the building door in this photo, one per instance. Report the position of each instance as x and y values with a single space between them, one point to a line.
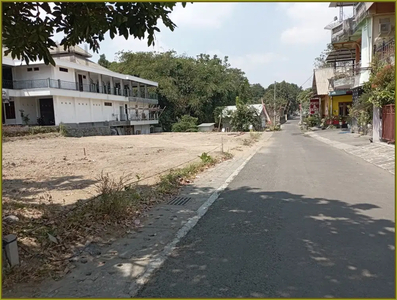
47 111
80 82
344 109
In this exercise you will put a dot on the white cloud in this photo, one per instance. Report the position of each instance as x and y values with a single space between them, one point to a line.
309 20
202 15
250 61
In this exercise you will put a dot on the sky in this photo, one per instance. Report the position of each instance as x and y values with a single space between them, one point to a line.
268 41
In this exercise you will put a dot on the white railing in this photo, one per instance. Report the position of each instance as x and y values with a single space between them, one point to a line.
359 13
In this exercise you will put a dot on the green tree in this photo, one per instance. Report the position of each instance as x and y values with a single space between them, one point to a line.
244 116
192 86
103 61
185 124
29 27
304 99
286 98
256 93
319 62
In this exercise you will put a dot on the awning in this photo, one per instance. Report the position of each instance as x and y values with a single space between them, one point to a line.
340 55
340 93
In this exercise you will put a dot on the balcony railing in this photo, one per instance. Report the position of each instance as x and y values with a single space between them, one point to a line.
344 83
75 86
343 31
386 50
360 13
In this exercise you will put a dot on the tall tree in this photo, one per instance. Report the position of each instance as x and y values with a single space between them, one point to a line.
256 93
192 86
29 27
320 61
286 97
103 61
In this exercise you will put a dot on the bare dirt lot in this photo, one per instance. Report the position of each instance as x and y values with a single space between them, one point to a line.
64 170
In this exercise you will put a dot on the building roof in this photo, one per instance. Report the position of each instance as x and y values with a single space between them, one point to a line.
228 109
320 80
79 62
206 124
72 50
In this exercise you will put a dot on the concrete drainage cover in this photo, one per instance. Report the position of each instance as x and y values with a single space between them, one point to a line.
179 200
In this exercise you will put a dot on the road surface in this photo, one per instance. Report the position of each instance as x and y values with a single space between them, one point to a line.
302 219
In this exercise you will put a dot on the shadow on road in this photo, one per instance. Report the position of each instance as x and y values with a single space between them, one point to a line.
277 244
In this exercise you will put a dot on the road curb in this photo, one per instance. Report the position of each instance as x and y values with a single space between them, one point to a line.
158 261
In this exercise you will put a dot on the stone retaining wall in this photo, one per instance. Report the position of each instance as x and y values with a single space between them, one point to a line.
86 131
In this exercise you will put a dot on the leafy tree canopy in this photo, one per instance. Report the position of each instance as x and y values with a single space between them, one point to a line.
244 116
187 85
29 27
103 61
185 124
319 62
256 93
286 97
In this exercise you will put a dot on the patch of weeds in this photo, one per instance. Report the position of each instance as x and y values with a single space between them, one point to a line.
247 142
255 135
63 130
227 155
205 158
274 128
114 210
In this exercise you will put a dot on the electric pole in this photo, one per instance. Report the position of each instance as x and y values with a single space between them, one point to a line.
274 116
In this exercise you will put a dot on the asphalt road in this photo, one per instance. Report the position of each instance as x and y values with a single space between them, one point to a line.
302 219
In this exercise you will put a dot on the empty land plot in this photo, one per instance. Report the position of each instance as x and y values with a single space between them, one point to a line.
64 170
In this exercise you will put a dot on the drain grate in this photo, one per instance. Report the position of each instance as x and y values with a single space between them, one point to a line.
179 201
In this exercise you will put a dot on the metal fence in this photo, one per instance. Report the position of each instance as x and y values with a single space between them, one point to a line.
388 123
386 49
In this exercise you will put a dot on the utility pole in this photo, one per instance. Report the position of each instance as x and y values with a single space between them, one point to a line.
274 116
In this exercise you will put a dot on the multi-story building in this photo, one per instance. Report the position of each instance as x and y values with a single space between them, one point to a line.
356 41
78 92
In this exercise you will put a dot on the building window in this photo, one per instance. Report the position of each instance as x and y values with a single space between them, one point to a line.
108 104
63 70
84 77
10 110
30 69
36 69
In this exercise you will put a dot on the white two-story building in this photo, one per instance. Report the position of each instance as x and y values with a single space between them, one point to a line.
77 92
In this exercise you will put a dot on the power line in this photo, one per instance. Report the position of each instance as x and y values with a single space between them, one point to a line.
306 80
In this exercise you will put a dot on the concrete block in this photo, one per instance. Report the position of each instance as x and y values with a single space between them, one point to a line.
11 249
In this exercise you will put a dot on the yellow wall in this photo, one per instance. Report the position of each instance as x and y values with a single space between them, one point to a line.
336 100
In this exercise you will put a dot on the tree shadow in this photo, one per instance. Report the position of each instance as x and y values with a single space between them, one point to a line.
249 244
277 244
25 189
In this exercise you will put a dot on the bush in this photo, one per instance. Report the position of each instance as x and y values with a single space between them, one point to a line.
244 116
185 124
312 120
13 131
207 159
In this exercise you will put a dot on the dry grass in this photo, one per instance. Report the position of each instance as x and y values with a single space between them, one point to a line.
50 235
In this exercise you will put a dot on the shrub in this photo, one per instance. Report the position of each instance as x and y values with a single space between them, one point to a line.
205 158
244 116
313 120
185 124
